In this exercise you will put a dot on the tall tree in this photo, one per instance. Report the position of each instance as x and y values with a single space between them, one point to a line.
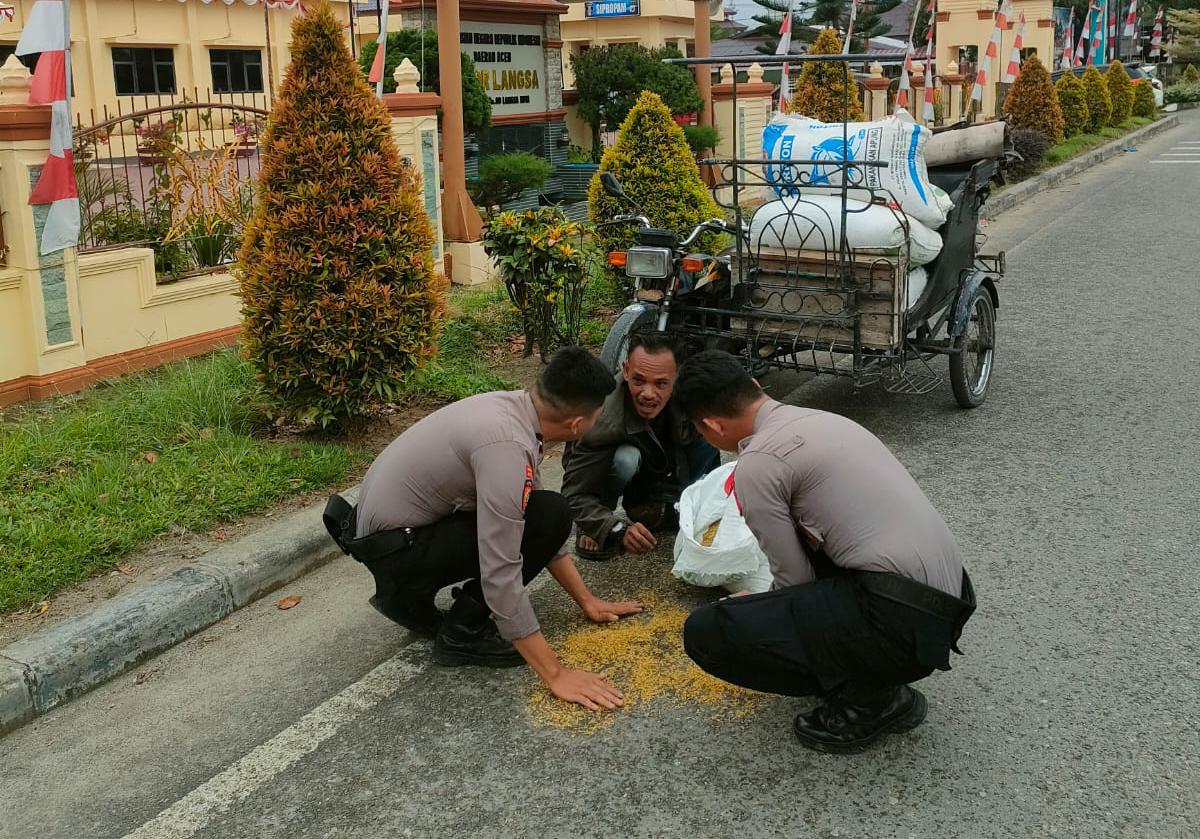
1186 25
610 79
809 17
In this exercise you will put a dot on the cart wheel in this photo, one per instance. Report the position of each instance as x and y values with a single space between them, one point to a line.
616 345
971 369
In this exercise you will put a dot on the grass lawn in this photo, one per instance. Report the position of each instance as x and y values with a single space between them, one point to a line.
87 480
1080 143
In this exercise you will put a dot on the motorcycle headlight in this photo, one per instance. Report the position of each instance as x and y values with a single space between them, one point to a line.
654 263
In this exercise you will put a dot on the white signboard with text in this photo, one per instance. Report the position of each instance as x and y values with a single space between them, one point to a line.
510 61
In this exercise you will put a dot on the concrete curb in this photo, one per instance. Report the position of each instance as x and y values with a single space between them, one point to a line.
1010 198
62 661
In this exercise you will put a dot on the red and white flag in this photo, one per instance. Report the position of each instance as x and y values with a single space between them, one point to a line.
850 26
906 72
930 52
785 47
993 50
8 12
1014 62
376 74
1097 31
1131 21
1068 42
1082 50
1156 37
47 31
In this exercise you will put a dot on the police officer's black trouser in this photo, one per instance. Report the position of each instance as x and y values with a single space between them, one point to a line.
447 551
818 638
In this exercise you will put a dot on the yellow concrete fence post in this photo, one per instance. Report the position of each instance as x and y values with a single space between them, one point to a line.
876 85
415 130
39 300
952 82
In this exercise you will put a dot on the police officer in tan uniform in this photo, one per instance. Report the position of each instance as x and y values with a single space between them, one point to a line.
458 498
869 589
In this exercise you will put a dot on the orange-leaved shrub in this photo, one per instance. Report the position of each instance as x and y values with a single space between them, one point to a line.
340 296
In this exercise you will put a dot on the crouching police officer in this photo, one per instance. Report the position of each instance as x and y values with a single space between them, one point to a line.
869 594
458 497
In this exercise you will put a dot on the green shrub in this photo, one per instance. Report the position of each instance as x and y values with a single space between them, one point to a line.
1190 75
1072 99
658 171
1098 101
578 154
826 91
544 264
1120 93
407 43
502 177
340 297
1032 103
1181 93
1143 100
701 137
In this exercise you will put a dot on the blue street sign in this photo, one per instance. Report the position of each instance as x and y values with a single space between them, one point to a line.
610 8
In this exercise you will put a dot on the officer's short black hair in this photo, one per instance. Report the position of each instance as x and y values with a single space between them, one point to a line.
714 384
653 343
574 382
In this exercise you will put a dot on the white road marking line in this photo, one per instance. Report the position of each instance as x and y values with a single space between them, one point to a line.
1181 153
1196 160
240 779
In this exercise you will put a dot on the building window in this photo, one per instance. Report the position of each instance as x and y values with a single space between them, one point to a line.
140 71
236 71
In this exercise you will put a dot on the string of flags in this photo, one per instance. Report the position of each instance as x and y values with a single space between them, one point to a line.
1156 36
1131 21
850 26
376 74
1014 62
1069 43
905 74
992 51
785 46
8 12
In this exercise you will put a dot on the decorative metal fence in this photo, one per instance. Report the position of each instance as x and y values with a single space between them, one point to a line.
175 174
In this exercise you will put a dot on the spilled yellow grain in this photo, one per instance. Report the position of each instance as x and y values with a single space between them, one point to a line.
643 657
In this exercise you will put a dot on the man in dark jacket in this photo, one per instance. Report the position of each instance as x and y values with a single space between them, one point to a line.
642 452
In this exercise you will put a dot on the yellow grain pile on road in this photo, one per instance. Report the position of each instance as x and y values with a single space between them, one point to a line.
643 657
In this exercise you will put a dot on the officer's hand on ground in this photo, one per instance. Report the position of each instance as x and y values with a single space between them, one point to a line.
602 611
590 690
638 539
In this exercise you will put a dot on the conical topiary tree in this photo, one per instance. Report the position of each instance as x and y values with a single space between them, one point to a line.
1143 100
1072 99
1190 75
1095 91
1120 93
340 296
826 91
1033 104
658 171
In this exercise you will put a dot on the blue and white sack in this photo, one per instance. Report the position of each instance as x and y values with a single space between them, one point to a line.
897 141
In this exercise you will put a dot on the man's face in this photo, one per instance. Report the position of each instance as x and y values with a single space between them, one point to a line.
649 377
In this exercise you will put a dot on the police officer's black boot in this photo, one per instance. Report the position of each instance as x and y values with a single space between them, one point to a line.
469 636
856 717
402 601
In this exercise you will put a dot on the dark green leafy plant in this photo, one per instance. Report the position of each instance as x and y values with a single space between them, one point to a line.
1181 93
502 177
701 137
544 264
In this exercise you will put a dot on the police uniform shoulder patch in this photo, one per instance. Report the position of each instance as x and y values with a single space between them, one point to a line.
528 487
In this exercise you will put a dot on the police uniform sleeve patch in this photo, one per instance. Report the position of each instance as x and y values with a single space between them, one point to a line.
731 489
528 487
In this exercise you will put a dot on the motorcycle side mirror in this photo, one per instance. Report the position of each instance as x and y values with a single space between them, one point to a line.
612 186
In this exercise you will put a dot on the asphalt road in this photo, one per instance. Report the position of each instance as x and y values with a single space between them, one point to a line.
1076 712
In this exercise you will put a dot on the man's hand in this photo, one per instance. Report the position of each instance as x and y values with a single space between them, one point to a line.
602 611
638 539
590 690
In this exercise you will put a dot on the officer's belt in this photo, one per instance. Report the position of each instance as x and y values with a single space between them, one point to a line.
908 592
341 520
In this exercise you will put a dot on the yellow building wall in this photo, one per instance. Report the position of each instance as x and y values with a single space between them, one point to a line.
190 29
965 28
16 339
